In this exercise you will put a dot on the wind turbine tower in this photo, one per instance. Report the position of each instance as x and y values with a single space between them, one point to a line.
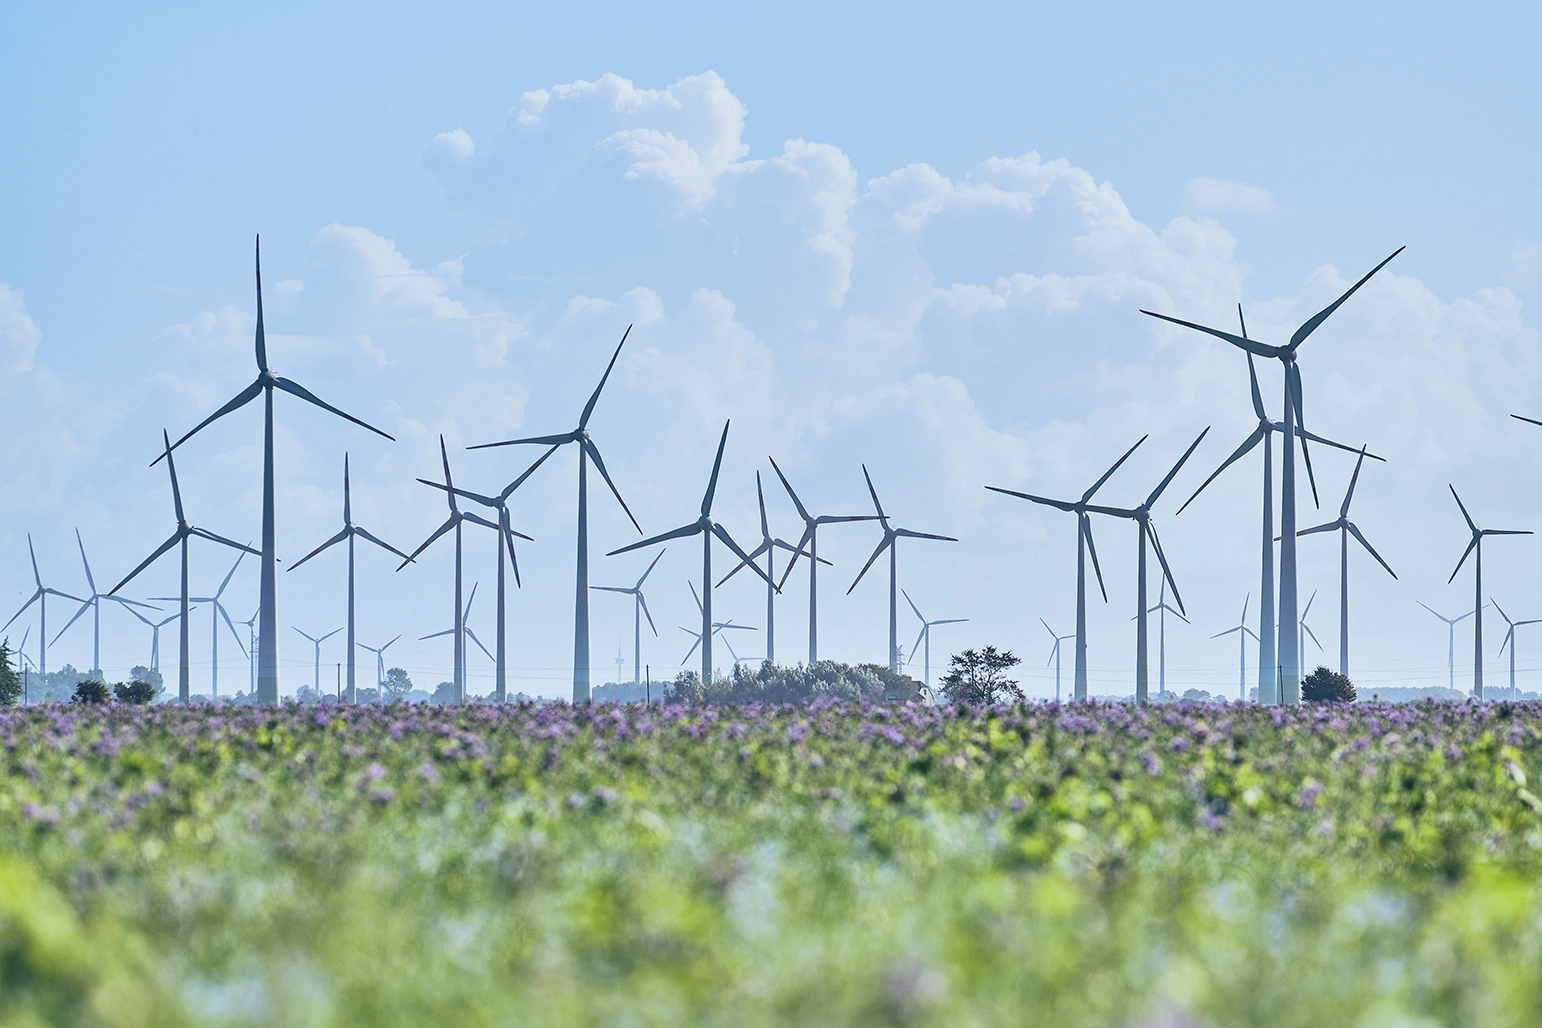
317 641
1054 654
925 639
1510 640
94 604
1477 622
769 544
1243 631
639 611
1450 639
40 597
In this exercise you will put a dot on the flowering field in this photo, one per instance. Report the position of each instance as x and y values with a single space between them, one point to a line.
822 865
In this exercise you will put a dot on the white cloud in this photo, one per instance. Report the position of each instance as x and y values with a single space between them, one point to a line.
19 337
457 144
1223 196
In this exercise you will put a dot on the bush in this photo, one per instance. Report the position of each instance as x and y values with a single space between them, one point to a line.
91 690
773 683
1324 686
137 692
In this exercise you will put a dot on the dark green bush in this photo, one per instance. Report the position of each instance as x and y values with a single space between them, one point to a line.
1324 686
91 690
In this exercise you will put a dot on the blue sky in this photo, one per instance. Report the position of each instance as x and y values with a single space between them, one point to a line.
940 277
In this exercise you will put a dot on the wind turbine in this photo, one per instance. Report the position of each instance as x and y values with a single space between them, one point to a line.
183 533
1450 639
1346 528
587 451
1161 610
463 627
639 610
1477 621
505 536
1144 530
705 527
40 597
769 544
889 542
218 612
380 672
718 627
251 651
1510 640
810 543
316 675
1289 657
155 635
1054 654
1262 434
265 383
926 638
349 531
454 522
1084 545
1306 630
94 604
1243 631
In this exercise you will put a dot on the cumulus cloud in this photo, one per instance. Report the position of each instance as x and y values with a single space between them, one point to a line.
1223 196
456 144
19 336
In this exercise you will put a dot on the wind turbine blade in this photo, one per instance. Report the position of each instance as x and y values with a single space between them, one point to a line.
261 340
295 389
1463 506
1529 421
717 465
613 589
599 464
1501 610
1329 527
1508 531
539 440
1370 549
473 637
1317 319
1245 343
85 606
722 533
220 607
756 552
1258 397
908 534
1463 560
760 496
1048 629
1109 473
66 596
1167 572
509 489
1059 504
1249 631
176 537
240 400
1177 614
365 534
693 646
1243 620
437 635
1294 374
684 531
643 603
1311 634
311 638
36 577
1508 636
808 534
339 537
1314 437
89 580
466 614
441 530
922 635
655 564
697 598
919 615
1308 609
583 420
486 501
508 542
229 575
950 621
204 533
874 494
1086 529
1229 631
138 615
1237 454
477 519
884 544
794 496
176 494
1157 492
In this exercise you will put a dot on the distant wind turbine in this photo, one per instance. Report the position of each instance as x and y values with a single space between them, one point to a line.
1450 639
1084 545
94 604
587 451
155 634
183 533
349 531
705 527
317 641
464 615
1510 640
1243 631
1306 630
1289 657
718 628
1161 610
265 383
380 668
218 611
1054 654
925 639
891 537
40 597
769 544
639 611
1345 529
1477 621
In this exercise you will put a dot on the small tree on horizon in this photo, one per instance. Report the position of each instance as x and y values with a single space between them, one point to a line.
396 685
1324 686
137 692
91 691
979 677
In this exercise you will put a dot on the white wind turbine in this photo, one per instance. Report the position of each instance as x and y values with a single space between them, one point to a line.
317 641
40 597
462 627
1054 654
216 613
380 668
94 604
925 639
1510 640
1306 630
718 628
639 611
155 634
1243 631
1161 610
1477 621
769 544
1450 639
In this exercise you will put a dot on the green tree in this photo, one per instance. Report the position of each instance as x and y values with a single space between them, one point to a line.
979 677
92 691
140 673
10 681
1324 686
138 692
396 685
444 694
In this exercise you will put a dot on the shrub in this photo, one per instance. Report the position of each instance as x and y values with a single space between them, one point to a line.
1324 686
137 692
91 690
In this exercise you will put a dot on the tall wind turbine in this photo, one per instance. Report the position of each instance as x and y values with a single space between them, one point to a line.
705 527
1161 610
639 611
505 538
40 597
1144 530
1477 621
1450 639
217 612
1084 545
453 522
1267 667
155 635
769 544
810 543
94 604
925 639
317 641
587 451
1243 631
1054 654
183 533
349 531
1510 640
380 668
266 382
1289 658
1346 528
1306 629
891 536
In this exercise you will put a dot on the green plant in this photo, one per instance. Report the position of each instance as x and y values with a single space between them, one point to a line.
1325 686
980 677
396 685
91 691
10 681
137 691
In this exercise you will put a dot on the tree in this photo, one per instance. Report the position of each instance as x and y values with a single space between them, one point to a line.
137 692
1324 686
444 694
91 691
140 673
396 685
10 681
979 677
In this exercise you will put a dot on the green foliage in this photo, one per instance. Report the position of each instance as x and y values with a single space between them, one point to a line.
10 681
1324 686
136 691
445 694
91 690
396 685
774 683
977 677
141 673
